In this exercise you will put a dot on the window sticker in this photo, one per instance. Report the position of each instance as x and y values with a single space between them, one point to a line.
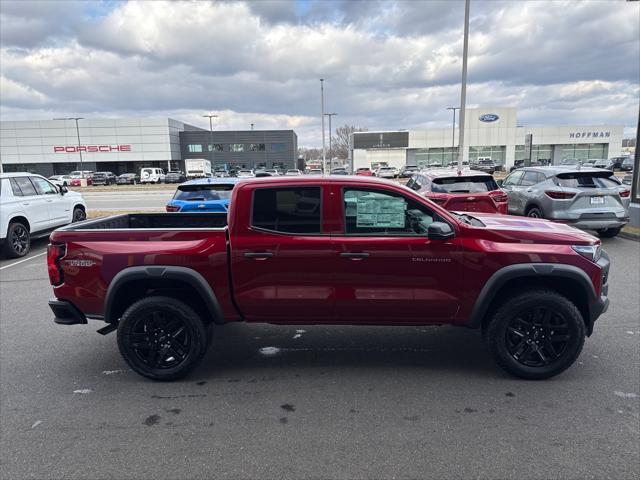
374 211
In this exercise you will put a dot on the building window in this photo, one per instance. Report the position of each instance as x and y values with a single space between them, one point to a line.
237 147
256 147
436 157
539 153
278 147
584 151
217 147
195 148
496 153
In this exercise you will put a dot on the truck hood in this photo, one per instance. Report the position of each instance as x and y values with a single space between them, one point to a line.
533 230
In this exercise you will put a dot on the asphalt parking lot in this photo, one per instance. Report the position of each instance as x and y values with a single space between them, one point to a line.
314 402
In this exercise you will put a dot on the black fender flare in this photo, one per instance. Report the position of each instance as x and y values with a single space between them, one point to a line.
169 272
536 270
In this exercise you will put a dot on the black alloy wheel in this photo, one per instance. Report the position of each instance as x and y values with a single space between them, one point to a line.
534 212
537 337
535 334
18 240
162 338
160 341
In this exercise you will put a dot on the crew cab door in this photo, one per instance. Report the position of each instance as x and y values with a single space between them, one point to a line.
280 254
387 270
32 204
511 186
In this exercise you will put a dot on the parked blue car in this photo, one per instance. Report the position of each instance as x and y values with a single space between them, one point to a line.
203 195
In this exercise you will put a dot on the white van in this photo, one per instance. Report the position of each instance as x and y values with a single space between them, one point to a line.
152 175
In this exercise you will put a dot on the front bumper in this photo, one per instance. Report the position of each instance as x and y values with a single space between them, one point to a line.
601 304
66 313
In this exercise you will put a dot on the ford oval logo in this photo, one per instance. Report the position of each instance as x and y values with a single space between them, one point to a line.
489 117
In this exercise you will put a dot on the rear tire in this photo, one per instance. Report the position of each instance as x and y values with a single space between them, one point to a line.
536 334
534 212
609 232
18 241
162 338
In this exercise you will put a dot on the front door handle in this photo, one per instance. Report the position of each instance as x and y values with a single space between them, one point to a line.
354 254
258 255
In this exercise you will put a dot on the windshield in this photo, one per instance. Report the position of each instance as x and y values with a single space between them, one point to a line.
203 192
475 184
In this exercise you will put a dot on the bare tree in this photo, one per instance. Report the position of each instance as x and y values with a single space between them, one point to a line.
309 153
340 142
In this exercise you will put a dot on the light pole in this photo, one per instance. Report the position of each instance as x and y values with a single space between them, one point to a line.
453 132
213 153
330 154
78 135
463 92
324 154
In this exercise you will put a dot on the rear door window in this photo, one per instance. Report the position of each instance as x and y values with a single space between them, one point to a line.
15 188
25 185
295 210
473 184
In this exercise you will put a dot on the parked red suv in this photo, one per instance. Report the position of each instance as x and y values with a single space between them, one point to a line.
364 171
329 250
467 191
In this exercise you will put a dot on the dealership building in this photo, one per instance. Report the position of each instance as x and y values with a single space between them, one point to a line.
53 147
491 134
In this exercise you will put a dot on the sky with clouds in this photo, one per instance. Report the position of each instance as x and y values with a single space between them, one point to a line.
387 64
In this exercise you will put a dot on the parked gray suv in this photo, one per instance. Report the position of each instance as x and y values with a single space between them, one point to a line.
581 197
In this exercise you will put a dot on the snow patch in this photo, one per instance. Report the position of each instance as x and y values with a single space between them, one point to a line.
297 335
112 372
36 423
301 331
83 391
629 332
269 351
625 395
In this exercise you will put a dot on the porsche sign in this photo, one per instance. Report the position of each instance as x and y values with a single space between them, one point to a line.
91 148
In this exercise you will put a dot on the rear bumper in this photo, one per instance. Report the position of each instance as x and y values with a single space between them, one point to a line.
65 313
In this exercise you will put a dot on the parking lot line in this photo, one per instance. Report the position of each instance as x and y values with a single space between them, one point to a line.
23 260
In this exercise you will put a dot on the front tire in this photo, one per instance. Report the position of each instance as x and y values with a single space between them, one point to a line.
18 241
536 334
79 215
162 338
609 232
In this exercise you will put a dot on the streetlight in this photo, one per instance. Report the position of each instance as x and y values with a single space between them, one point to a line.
213 153
463 91
78 134
324 155
453 132
330 154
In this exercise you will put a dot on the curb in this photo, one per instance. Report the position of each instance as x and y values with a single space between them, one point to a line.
629 236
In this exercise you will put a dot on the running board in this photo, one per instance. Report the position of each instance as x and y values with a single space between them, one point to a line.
110 327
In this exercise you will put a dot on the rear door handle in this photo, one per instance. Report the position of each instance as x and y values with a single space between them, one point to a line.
354 254
258 255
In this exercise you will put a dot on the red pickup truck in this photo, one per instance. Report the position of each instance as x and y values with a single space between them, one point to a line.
329 250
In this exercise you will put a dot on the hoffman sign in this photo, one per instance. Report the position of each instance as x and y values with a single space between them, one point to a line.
91 148
589 134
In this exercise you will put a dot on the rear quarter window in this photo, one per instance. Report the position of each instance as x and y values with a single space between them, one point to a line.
202 193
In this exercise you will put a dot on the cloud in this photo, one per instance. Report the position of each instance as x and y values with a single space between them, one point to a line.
387 65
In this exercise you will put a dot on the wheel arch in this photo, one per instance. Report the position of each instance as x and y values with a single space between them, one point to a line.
19 219
181 283
567 280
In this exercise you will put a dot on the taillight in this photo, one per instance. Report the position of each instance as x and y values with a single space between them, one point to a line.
559 195
625 193
55 252
498 196
172 208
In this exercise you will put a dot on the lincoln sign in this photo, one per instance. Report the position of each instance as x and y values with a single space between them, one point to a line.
91 148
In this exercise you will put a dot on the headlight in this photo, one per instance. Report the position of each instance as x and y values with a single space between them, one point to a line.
591 252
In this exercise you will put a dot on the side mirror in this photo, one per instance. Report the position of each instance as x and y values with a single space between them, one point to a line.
63 189
499 182
440 231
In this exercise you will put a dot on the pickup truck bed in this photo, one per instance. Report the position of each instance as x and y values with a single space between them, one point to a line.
331 250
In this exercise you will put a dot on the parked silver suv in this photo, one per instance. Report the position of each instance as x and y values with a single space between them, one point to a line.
581 197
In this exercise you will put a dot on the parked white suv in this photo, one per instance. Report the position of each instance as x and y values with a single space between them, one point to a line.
31 207
152 175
